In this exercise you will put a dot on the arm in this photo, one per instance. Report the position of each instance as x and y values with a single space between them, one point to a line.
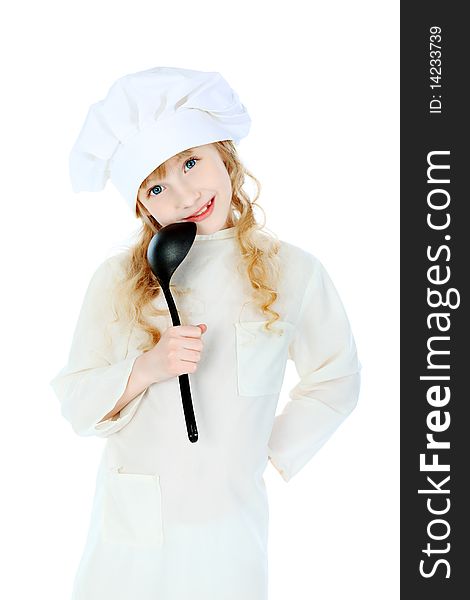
138 382
325 356
99 379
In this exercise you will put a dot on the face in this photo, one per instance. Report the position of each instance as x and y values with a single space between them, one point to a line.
191 182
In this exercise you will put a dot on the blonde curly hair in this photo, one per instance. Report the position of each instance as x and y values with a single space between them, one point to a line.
138 287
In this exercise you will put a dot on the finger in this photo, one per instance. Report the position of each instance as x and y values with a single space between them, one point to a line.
191 343
190 331
189 355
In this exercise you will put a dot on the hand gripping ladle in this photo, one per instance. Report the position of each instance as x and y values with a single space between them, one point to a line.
166 251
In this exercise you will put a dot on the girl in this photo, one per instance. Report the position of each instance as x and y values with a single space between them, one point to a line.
173 519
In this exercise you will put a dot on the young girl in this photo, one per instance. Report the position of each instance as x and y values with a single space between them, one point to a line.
173 519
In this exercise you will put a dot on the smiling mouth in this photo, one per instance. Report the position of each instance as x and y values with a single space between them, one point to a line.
201 211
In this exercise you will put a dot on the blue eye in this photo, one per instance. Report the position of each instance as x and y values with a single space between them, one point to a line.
154 188
193 159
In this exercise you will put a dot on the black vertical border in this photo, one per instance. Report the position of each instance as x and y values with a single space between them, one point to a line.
421 133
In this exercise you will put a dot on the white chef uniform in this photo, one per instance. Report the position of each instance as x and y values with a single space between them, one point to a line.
173 519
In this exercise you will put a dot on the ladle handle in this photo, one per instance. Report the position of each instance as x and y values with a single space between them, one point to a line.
183 379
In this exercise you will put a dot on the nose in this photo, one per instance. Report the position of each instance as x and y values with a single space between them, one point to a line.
188 199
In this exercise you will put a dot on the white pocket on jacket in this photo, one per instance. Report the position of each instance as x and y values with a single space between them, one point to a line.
261 357
132 509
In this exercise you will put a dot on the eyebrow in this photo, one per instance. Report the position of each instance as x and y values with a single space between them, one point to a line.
180 156
186 152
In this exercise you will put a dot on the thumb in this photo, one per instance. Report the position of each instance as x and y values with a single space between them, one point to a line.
203 326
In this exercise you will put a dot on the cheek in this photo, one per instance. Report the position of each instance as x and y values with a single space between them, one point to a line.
161 215
225 183
156 210
218 174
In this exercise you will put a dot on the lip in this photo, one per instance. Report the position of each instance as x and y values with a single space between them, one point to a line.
204 215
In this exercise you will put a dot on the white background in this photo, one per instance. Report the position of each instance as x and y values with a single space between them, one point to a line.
320 81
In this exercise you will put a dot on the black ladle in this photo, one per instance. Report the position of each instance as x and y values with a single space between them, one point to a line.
166 251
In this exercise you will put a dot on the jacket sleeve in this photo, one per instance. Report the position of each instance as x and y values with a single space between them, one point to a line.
325 357
98 366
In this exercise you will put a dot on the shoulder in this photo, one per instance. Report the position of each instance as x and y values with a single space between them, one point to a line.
110 270
287 250
297 265
294 258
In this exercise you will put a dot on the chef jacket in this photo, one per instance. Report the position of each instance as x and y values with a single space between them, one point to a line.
173 519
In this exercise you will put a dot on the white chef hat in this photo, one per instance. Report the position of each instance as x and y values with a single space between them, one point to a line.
146 118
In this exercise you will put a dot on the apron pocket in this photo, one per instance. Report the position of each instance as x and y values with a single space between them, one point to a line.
132 509
261 357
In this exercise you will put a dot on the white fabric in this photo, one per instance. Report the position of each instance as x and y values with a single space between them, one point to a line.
173 519
146 118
